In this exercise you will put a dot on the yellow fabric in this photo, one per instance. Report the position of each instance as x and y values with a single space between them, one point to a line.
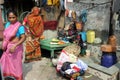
53 2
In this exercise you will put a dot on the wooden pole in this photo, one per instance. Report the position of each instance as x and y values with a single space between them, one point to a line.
111 30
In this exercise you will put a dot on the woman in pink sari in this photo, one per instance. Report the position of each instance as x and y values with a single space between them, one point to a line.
14 36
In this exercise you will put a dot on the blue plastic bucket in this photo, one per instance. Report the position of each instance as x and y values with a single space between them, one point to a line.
108 59
83 36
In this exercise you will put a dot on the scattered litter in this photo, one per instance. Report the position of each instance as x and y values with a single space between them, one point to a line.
88 76
79 78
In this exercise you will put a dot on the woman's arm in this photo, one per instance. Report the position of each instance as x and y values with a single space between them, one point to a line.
21 40
24 21
21 35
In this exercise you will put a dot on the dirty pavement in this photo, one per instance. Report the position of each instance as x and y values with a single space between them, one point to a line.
44 70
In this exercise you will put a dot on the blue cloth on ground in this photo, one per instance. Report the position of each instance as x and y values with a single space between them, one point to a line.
82 65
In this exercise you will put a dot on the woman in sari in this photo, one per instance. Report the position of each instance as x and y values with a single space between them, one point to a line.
34 31
13 37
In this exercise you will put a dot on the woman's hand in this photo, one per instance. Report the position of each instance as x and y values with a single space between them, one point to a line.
29 38
3 46
12 49
4 49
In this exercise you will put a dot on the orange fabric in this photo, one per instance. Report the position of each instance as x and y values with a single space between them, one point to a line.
35 25
34 55
33 49
36 28
79 26
29 47
35 22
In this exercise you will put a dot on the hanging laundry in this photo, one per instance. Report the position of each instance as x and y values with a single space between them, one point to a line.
83 15
62 5
73 14
69 0
65 2
70 13
53 2
66 12
56 2
79 26
44 2
49 2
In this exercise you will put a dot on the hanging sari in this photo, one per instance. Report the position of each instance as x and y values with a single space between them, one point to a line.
11 63
35 24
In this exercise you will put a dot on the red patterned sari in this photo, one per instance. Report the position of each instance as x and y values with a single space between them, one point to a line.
35 24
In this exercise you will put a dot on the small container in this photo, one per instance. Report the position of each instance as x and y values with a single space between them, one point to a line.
90 36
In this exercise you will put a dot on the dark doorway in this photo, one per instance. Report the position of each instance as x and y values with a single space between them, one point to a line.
18 5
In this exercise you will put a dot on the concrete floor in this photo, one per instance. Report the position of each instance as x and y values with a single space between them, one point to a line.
42 70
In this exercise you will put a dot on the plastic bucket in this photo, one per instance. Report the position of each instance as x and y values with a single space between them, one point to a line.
83 36
108 59
90 36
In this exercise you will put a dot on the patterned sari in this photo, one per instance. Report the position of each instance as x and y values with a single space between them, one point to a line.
36 29
11 63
